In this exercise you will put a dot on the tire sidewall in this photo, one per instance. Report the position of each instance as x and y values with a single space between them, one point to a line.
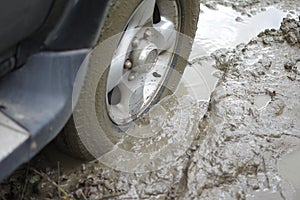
92 124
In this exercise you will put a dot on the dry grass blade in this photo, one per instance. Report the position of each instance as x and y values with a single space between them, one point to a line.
25 184
58 177
45 176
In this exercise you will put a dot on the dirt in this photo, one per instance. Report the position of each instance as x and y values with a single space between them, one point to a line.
252 7
237 146
242 144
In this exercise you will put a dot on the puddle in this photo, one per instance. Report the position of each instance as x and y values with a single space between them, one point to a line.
226 28
288 168
223 28
261 101
198 80
265 195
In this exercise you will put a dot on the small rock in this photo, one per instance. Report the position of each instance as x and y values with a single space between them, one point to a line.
212 6
263 9
292 37
289 66
253 12
83 167
156 75
239 19
78 193
267 41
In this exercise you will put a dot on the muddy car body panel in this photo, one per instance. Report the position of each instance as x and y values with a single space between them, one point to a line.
38 67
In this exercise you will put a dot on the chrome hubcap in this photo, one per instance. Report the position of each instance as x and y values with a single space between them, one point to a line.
142 59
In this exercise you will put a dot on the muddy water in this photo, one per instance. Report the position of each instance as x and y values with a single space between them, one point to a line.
226 28
244 100
199 80
262 101
288 168
223 27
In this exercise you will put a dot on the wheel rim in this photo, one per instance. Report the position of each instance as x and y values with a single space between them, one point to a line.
142 60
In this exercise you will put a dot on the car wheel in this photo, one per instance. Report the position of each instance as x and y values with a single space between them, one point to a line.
142 51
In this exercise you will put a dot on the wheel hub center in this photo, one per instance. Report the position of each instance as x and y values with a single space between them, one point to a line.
144 53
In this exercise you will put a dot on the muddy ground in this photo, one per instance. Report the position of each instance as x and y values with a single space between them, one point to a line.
252 120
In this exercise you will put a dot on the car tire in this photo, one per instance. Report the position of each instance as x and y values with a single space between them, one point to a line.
91 132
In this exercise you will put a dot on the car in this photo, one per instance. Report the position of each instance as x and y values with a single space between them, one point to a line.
85 71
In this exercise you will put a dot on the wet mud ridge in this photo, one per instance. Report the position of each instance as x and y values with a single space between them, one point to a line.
252 120
242 141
